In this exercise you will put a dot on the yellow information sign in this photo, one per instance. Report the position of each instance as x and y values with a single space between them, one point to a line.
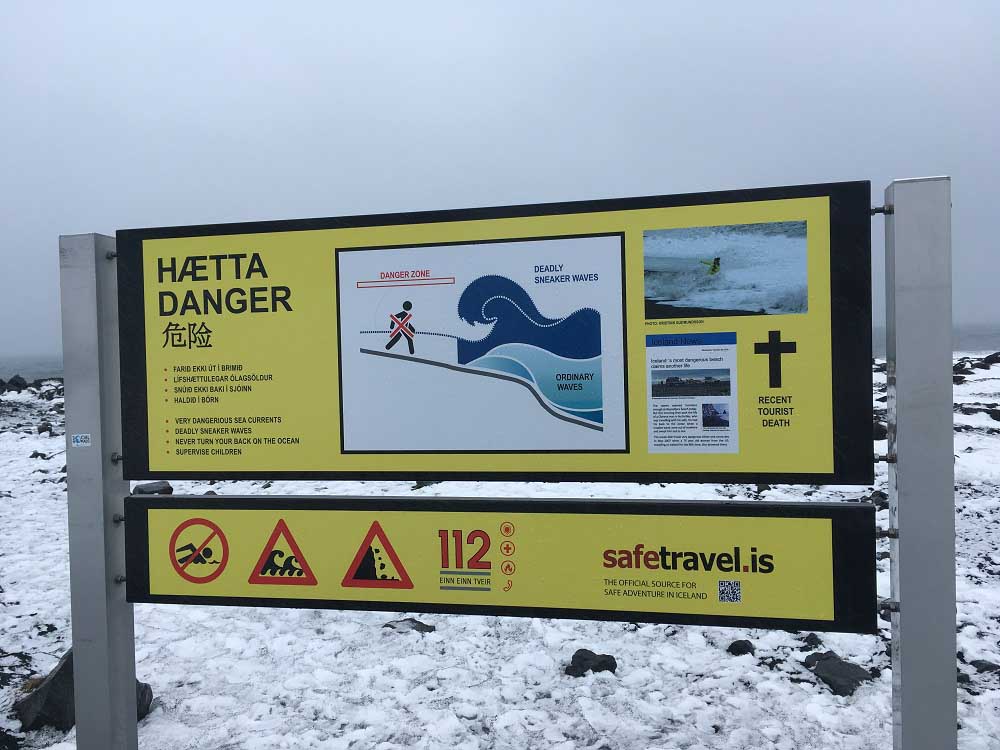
712 336
797 565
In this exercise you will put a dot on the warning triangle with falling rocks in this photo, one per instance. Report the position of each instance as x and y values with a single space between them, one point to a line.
282 561
377 566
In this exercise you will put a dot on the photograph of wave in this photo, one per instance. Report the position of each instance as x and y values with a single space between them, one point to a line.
736 269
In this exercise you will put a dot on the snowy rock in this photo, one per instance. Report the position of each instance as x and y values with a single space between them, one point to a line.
741 648
49 390
982 665
153 488
842 677
44 427
420 485
811 642
585 661
50 703
16 383
8 741
407 624
880 499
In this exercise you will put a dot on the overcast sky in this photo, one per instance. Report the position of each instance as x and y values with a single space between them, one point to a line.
217 112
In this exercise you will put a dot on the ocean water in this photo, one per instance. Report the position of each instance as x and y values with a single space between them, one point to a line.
31 366
975 338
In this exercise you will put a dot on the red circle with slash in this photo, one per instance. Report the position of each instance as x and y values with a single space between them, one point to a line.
213 531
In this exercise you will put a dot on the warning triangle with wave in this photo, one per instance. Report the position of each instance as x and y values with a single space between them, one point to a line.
282 561
376 565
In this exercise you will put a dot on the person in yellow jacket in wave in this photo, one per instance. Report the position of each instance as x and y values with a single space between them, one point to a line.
713 265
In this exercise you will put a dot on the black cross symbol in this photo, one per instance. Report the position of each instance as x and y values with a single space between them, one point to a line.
774 347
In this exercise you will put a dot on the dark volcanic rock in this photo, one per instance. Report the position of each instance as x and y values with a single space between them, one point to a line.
842 677
879 431
407 624
49 389
143 700
811 642
51 702
585 661
957 379
44 427
880 499
154 488
16 383
982 665
741 648
8 741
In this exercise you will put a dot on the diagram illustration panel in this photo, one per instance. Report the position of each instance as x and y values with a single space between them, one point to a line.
514 345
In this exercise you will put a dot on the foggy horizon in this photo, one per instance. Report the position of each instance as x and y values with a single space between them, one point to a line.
134 117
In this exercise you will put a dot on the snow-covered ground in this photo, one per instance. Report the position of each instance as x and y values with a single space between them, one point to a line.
762 267
227 678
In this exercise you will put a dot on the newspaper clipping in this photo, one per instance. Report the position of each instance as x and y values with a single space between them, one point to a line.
692 393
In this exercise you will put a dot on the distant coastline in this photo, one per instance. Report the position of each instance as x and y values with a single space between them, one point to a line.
978 338
966 339
31 366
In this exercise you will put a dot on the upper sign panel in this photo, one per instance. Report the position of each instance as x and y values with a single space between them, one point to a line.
706 337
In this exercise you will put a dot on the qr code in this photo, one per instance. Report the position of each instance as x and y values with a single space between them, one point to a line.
730 591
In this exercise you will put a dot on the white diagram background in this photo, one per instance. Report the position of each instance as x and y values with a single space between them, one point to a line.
391 405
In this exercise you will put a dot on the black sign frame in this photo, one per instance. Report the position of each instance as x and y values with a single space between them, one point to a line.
851 335
853 541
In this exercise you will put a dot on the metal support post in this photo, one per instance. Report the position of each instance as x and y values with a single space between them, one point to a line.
103 636
922 479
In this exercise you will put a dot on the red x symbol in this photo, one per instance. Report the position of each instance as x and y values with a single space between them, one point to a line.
399 326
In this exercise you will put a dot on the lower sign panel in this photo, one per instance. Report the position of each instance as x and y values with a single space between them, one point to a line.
787 565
